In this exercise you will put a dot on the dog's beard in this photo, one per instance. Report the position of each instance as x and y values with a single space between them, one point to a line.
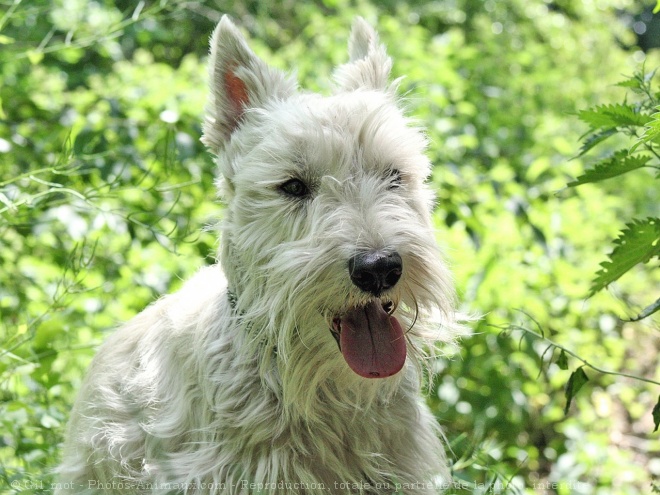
298 284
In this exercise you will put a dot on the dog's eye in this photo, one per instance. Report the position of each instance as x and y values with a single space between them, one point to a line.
295 188
394 178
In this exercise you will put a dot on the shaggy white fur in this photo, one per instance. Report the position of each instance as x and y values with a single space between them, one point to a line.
296 367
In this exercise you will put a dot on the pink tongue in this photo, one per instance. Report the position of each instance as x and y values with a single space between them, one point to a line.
372 341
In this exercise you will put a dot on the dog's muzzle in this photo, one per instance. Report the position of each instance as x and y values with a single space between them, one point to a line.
370 338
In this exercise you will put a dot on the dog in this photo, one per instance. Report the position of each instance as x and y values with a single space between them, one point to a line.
295 364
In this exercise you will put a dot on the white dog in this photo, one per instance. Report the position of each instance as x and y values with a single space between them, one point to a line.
295 365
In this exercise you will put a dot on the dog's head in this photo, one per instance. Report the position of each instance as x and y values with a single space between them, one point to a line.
327 231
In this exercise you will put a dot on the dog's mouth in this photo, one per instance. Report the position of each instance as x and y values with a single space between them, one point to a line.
371 339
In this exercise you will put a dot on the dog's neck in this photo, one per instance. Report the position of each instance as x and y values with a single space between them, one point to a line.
233 267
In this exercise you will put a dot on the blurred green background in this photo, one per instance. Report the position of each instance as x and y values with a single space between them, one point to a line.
105 193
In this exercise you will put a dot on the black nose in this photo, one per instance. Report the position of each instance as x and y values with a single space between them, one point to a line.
375 271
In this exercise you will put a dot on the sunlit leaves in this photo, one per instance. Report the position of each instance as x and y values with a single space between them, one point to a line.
640 122
637 243
618 164
615 115
651 131
639 82
594 139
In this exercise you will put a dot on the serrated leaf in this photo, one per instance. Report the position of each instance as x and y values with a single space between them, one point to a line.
593 139
562 361
614 115
619 164
575 382
637 243
596 118
651 131
627 115
632 82
656 415
637 82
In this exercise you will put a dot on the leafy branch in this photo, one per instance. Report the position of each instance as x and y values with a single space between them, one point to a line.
639 121
578 377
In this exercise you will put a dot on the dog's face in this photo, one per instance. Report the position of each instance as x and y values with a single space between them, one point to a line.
327 226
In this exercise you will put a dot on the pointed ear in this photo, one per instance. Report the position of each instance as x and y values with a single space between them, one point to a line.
238 81
369 66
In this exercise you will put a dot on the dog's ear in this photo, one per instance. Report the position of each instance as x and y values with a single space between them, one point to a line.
238 81
369 65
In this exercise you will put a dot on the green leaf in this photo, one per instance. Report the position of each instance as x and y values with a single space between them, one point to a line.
624 115
619 164
648 311
656 9
656 415
596 118
637 243
575 382
639 82
619 114
651 132
632 82
562 361
593 139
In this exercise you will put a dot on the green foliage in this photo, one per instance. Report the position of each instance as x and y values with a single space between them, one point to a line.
577 379
104 190
619 164
612 116
651 133
639 242
92 206
562 360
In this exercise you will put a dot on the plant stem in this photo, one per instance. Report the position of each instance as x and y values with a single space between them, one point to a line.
581 359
